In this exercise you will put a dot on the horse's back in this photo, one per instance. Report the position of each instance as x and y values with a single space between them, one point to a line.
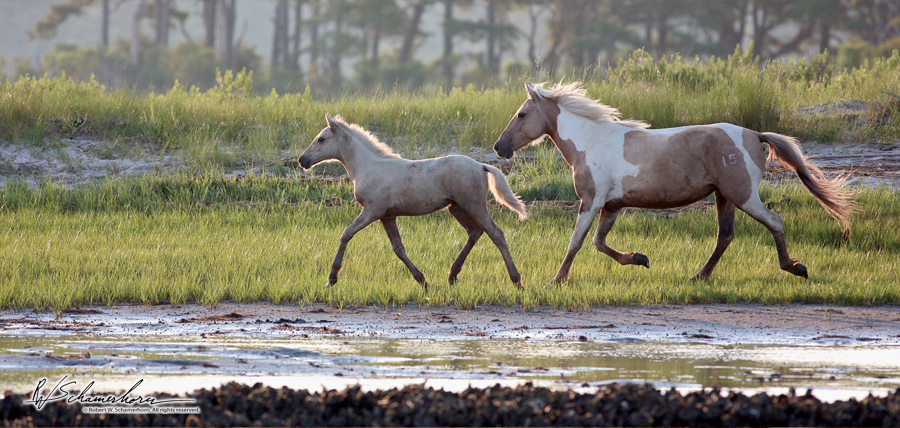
417 187
678 166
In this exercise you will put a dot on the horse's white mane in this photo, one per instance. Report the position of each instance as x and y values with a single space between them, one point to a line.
367 138
573 98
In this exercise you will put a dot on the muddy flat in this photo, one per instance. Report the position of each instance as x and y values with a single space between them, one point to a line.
796 324
835 352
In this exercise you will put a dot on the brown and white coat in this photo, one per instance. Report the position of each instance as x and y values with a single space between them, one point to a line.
617 163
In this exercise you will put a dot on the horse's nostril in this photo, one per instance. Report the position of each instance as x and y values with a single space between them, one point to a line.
496 147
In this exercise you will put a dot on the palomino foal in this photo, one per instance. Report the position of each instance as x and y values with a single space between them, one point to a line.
388 186
617 163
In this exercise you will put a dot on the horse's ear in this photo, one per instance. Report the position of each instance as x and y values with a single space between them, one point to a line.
531 93
333 124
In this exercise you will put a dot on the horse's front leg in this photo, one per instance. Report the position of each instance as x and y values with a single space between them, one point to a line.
366 217
605 224
586 216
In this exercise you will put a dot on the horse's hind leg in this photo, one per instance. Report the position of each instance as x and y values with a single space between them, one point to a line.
725 217
756 209
393 233
474 232
605 224
479 214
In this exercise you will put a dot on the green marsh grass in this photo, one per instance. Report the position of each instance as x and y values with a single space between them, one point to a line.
208 239
199 237
230 124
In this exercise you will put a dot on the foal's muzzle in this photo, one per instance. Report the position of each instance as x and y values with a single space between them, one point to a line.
304 162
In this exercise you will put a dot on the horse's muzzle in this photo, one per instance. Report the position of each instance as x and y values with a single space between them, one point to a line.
503 150
304 162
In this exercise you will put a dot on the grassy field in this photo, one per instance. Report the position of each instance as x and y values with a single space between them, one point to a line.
208 239
201 237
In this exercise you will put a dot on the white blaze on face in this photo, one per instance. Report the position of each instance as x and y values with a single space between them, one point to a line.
603 145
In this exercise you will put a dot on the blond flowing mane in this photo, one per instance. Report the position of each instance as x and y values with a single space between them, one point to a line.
573 98
367 138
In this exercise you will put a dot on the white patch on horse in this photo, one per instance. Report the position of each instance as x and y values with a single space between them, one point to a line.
606 157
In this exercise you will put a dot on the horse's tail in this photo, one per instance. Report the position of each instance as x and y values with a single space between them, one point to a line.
831 194
502 192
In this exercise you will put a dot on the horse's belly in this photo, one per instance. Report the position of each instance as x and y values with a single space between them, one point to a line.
422 206
663 196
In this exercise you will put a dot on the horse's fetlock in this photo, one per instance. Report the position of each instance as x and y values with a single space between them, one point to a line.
516 278
419 277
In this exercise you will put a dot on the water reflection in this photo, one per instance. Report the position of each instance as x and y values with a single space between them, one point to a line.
684 365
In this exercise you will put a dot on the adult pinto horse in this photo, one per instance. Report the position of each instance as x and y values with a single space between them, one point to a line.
620 163
388 186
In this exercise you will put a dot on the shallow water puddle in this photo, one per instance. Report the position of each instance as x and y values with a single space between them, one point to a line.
180 363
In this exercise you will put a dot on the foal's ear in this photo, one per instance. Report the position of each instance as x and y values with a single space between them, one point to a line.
530 88
330 120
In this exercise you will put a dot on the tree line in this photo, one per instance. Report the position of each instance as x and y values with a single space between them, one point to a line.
335 45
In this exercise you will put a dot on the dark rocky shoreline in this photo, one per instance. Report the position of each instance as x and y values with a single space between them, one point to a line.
614 405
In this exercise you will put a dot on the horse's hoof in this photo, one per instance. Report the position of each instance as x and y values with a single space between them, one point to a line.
800 270
452 280
642 260
425 284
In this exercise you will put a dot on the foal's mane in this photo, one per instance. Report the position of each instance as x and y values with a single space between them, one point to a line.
573 98
366 138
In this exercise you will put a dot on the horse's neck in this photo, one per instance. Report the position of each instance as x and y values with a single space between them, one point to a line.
358 158
574 134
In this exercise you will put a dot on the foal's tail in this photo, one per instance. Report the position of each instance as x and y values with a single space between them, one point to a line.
502 192
831 194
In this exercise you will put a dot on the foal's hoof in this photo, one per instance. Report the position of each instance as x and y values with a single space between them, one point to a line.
557 281
699 277
642 260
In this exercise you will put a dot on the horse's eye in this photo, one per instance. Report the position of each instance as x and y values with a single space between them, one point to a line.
321 139
521 114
